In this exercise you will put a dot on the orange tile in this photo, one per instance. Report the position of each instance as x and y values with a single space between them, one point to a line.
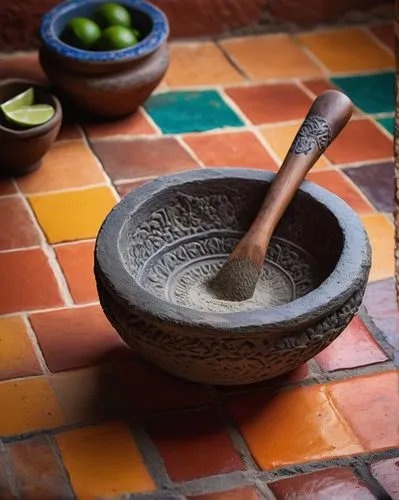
72 215
77 263
371 407
135 124
30 281
210 68
17 357
17 229
33 406
280 138
381 234
271 56
293 426
339 184
348 50
67 165
103 461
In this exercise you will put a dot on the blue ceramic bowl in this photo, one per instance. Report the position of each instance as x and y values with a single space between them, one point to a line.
149 20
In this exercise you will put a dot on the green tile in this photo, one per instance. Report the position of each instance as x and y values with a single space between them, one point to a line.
371 93
388 124
182 112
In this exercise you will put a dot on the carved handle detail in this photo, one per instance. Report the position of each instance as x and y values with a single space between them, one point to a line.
315 131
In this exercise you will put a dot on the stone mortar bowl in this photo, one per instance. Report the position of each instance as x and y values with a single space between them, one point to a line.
161 241
107 84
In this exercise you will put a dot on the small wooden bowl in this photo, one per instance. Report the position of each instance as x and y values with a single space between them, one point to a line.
22 149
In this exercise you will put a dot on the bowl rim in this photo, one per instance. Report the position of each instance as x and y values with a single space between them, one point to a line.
347 277
39 130
158 34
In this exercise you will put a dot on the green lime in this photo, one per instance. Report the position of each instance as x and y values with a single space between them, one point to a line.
30 116
81 32
23 99
112 14
116 38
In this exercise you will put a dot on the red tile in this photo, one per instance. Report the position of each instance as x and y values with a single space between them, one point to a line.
7 187
323 485
142 157
236 149
148 388
354 347
77 263
125 188
7 491
17 229
337 183
72 338
385 32
69 131
194 444
30 282
245 493
271 103
360 140
135 124
318 86
371 407
387 474
23 66
37 471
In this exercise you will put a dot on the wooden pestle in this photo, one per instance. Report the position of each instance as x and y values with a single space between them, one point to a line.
328 115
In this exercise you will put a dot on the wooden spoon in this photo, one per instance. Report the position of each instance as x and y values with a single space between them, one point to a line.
328 115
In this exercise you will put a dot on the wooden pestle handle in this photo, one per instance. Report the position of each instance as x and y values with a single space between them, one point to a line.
327 116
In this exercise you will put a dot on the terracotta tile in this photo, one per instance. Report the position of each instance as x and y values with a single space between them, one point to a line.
319 86
294 426
88 395
236 149
271 103
370 405
354 347
126 187
22 66
72 215
376 181
347 50
385 33
193 445
135 124
381 234
6 187
337 183
325 484
17 229
33 404
30 282
387 474
67 165
215 68
148 388
7 486
103 461
17 357
280 138
381 305
285 57
69 131
361 140
143 157
245 493
77 263
36 470
76 337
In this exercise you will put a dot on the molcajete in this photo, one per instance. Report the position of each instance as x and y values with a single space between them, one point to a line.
106 84
163 240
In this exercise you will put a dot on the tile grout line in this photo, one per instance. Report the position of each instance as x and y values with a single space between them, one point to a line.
188 150
121 182
9 472
86 187
51 309
377 41
35 344
322 67
61 466
232 61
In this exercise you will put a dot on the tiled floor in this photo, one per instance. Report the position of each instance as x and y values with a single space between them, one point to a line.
80 415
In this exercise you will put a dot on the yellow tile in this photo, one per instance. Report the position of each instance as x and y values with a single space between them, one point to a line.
381 234
294 426
66 165
348 50
72 215
210 66
280 139
28 405
271 56
103 461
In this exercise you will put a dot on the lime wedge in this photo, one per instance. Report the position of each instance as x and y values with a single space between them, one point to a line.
30 116
19 101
